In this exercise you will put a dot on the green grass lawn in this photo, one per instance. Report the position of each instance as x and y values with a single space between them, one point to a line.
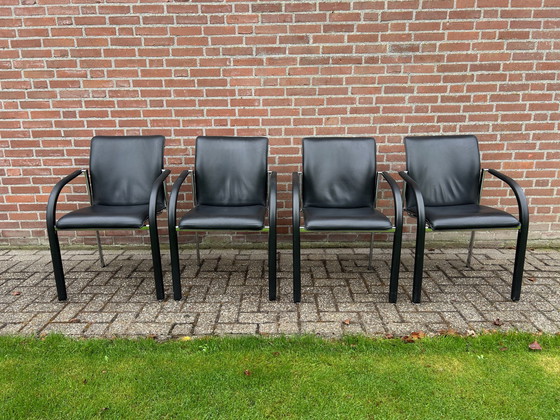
485 377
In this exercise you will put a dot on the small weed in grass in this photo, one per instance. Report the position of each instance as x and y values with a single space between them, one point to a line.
486 377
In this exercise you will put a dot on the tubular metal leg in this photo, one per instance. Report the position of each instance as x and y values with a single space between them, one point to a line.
471 246
395 265
57 264
101 259
197 248
297 265
156 259
418 264
272 264
520 250
370 252
175 268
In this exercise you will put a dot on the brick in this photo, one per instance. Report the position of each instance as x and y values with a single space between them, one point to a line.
292 69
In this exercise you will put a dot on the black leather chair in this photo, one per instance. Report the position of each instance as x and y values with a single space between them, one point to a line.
339 189
126 189
232 190
443 187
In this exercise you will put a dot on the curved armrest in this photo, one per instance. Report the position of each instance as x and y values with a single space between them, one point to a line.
397 198
272 192
519 195
172 212
156 186
295 201
53 198
420 214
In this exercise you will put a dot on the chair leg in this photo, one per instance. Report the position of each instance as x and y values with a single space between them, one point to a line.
175 265
370 252
156 260
395 265
471 246
297 265
418 264
197 239
99 249
272 264
520 251
57 263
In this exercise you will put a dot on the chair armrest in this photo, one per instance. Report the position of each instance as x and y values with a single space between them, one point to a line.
172 212
156 186
53 198
295 201
272 193
420 214
519 195
397 198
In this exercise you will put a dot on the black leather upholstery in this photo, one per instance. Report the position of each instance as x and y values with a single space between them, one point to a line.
351 219
231 171
468 216
127 180
443 192
233 192
105 217
123 169
338 172
446 168
224 217
339 183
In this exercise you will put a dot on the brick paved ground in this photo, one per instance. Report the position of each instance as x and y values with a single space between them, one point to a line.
228 295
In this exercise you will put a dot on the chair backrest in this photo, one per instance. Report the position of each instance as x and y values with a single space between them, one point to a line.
338 172
231 171
446 168
123 169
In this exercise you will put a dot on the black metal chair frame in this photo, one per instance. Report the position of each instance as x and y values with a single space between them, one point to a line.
422 228
396 229
52 231
173 229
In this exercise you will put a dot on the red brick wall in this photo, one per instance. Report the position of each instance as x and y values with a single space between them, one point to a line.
71 69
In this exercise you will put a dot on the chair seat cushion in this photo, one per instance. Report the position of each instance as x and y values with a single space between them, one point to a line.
332 218
105 217
469 216
224 217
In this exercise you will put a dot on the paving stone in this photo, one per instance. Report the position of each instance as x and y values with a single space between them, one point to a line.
227 329
6 329
352 329
181 330
205 324
258 317
69 312
267 328
95 330
327 329
37 323
342 317
308 312
228 294
388 312
469 311
229 313
144 329
454 320
97 317
73 329
15 317
428 318
372 324
286 328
